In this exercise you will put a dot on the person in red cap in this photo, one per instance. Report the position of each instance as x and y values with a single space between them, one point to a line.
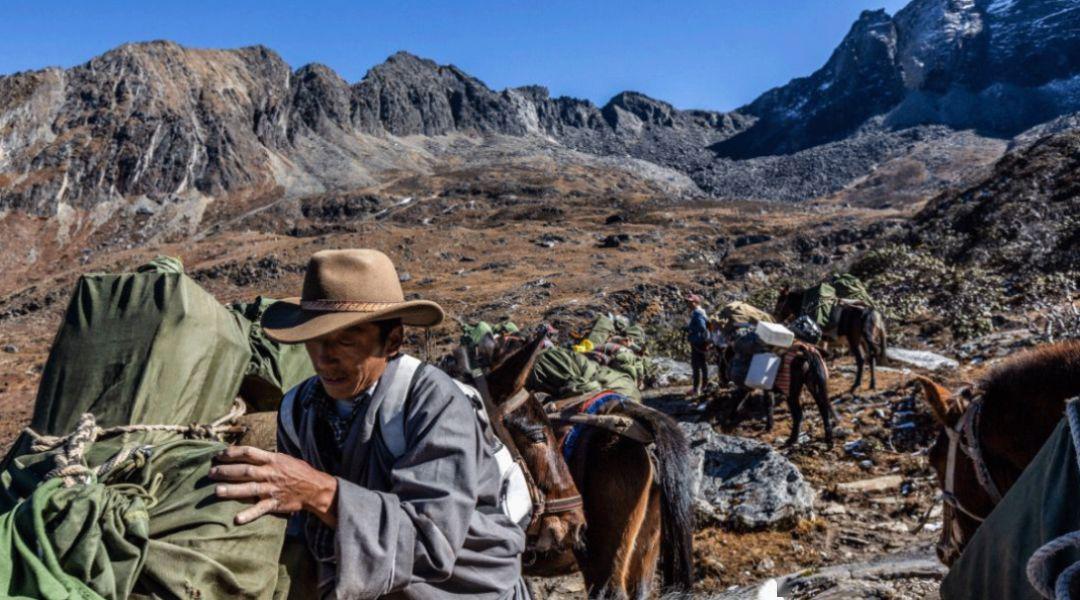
697 333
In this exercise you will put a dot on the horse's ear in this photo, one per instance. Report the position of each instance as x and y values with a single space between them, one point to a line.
509 376
945 412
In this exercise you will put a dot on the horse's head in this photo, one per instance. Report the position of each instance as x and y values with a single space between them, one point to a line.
561 524
967 501
788 304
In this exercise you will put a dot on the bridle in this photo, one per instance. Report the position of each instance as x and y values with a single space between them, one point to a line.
964 436
542 505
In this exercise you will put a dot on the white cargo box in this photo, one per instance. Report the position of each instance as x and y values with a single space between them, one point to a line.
774 334
763 370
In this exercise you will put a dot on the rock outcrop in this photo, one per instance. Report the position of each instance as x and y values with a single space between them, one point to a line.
745 484
157 124
997 66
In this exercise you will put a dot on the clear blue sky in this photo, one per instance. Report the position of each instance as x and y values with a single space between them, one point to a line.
716 54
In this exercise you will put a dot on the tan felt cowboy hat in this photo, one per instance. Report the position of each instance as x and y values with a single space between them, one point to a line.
343 288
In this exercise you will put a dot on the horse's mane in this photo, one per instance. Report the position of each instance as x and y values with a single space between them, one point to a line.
1048 373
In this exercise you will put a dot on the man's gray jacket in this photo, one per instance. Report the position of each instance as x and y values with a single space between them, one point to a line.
423 525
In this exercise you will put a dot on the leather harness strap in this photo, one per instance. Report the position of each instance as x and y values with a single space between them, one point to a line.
515 402
964 436
543 505
560 406
624 426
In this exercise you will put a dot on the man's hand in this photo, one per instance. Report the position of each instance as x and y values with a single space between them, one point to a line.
277 483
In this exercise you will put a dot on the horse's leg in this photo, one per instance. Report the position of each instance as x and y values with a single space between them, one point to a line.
855 343
794 406
616 496
819 392
642 571
871 354
742 396
770 407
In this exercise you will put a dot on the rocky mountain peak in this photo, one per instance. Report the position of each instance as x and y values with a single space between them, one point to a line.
648 110
861 79
997 66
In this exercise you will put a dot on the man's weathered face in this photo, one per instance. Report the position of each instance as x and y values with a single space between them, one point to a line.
351 360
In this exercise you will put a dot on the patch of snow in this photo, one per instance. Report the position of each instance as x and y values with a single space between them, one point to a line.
921 358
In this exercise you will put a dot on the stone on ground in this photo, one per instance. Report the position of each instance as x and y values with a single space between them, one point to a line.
745 484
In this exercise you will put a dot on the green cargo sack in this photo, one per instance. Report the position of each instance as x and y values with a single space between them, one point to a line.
147 526
274 368
636 334
506 327
818 302
850 287
735 314
146 347
563 373
1039 507
627 361
602 329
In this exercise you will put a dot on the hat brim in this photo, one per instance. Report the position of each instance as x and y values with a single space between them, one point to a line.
286 322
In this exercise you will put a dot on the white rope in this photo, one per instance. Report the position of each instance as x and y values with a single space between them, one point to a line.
1038 571
71 462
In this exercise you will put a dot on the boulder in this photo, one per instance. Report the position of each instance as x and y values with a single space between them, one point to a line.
745 484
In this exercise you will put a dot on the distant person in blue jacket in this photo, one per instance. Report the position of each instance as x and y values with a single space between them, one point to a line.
697 332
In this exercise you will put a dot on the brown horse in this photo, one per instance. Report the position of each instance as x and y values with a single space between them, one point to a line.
992 430
862 327
807 369
559 520
637 496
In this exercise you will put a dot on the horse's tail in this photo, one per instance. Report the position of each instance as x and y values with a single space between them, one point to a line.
673 464
874 333
819 381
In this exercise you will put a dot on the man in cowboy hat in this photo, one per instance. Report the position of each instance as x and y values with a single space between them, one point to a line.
382 458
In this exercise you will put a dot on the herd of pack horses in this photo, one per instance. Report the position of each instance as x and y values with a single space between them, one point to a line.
618 505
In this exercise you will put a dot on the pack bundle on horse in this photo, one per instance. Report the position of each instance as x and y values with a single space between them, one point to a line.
802 367
631 465
990 434
860 325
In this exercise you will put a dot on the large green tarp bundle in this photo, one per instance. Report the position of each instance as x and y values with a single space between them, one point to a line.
152 348
564 373
1039 507
602 329
149 528
145 347
850 287
636 334
734 314
621 345
818 301
274 368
